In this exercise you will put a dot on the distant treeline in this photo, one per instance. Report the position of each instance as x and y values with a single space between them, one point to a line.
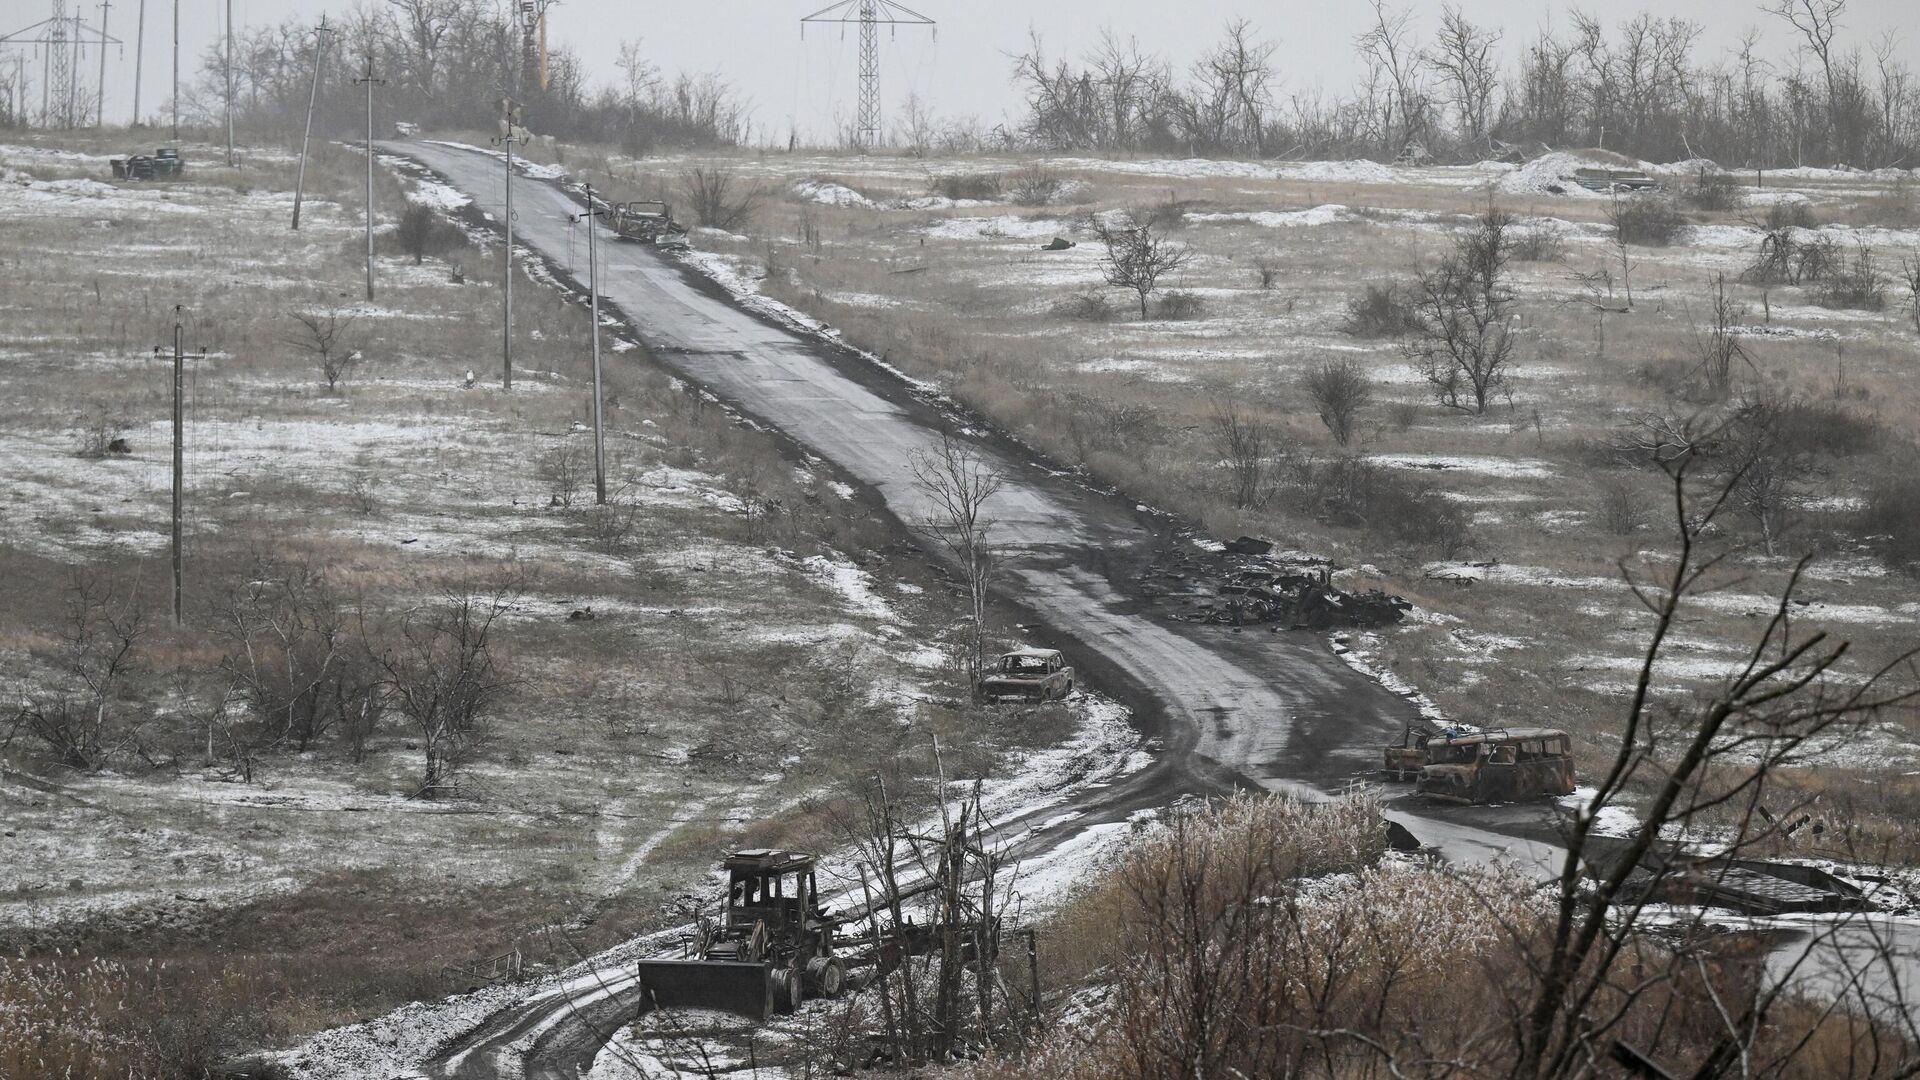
448 64
1466 92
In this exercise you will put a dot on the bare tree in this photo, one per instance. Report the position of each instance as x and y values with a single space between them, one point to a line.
418 231
294 656
564 468
1463 55
1137 255
1465 308
1240 439
1227 104
719 199
1339 390
444 678
324 334
1764 465
1910 274
957 482
1717 758
95 650
1393 60
1818 21
1719 348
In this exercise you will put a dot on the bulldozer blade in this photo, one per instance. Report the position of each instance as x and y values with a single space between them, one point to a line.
725 985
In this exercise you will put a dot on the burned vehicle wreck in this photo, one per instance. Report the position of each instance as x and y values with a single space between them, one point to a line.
1503 765
1034 675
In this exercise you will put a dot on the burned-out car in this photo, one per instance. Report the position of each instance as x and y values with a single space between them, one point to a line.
1406 758
1027 675
1504 765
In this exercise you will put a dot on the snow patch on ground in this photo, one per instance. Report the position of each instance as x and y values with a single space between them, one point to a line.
828 193
1001 227
1329 214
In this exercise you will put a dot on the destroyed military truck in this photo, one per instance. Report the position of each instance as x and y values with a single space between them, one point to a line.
772 946
1034 675
649 222
1503 765
165 164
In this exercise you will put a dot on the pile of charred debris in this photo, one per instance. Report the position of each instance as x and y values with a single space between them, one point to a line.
1247 585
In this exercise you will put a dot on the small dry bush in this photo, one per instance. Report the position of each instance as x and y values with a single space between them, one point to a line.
1714 191
1538 244
1618 507
1856 283
1348 491
1891 517
1179 304
92 1019
1383 311
983 186
1234 934
1833 430
1789 215
1648 221
1035 185
1087 307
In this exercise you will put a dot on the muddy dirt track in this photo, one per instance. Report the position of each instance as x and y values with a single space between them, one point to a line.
1274 710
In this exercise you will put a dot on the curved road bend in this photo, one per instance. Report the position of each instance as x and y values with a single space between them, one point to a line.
1279 711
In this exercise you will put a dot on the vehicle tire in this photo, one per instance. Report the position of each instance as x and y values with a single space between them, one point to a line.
827 975
787 991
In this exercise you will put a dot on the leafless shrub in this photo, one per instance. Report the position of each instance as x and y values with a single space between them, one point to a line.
1035 185
1137 256
296 655
1714 191
1787 215
421 232
1239 438
1266 268
982 186
1646 220
718 199
1087 307
1402 415
1540 243
101 431
1719 349
1382 311
440 667
612 526
1910 276
96 650
1339 390
564 468
323 333
1857 283
1618 508
1178 304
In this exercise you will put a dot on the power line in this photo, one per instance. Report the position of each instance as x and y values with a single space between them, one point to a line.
870 15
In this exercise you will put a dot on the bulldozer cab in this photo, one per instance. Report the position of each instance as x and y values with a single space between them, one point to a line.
772 887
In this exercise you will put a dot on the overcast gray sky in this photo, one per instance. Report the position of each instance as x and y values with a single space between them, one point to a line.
961 69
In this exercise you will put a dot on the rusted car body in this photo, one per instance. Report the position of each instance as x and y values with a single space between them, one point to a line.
648 222
1028 675
1406 758
1504 765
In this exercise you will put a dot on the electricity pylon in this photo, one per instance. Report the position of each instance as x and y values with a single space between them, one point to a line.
871 15
61 104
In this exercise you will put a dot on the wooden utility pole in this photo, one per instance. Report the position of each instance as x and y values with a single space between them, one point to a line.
100 91
370 82
139 58
506 264
176 72
179 458
313 95
179 462
593 288
229 84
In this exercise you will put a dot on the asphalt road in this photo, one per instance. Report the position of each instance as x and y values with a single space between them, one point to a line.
1274 711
